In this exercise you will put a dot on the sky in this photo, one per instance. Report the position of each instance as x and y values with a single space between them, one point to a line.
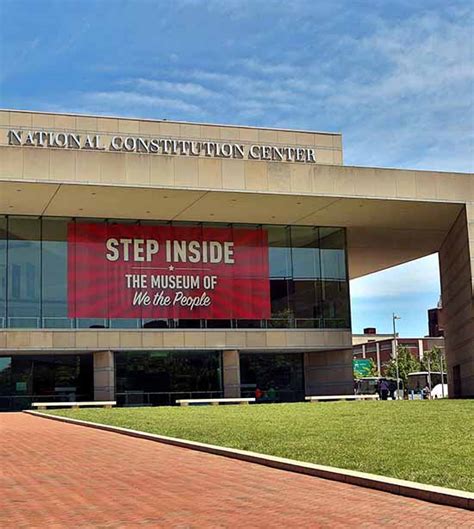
396 78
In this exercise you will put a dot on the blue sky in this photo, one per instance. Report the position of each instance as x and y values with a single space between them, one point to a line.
396 78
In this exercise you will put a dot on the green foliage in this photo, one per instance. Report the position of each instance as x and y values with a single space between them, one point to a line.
424 441
407 363
433 360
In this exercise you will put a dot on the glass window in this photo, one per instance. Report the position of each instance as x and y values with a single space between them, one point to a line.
336 304
25 379
279 252
5 376
333 255
24 272
161 377
278 377
54 273
335 287
282 313
305 252
307 276
92 323
305 302
3 272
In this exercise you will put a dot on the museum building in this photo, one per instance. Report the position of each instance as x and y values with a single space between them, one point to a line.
146 261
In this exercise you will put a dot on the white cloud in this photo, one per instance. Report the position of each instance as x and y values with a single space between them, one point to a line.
132 100
158 86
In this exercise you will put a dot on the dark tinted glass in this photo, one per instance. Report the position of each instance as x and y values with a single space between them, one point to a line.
26 379
161 377
278 377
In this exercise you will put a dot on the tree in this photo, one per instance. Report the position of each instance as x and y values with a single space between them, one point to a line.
433 360
407 363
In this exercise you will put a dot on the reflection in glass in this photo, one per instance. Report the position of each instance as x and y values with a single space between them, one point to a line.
278 376
24 272
26 379
54 273
3 272
161 377
305 252
307 269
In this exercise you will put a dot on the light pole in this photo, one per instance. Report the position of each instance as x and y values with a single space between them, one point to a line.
394 318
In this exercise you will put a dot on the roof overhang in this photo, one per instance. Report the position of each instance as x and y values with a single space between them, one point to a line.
381 233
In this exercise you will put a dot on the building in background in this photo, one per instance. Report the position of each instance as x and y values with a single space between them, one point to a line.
149 260
435 320
382 348
369 335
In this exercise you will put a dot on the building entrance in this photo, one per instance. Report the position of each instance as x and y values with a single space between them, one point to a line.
33 378
159 378
272 377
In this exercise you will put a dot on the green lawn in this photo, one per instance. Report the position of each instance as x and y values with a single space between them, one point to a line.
425 441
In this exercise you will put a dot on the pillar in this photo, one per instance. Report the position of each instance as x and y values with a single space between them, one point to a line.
456 258
104 375
231 374
329 372
379 367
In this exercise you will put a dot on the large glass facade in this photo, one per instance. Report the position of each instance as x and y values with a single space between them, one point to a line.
307 274
272 377
26 379
161 377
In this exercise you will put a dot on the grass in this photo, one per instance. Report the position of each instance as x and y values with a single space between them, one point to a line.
424 441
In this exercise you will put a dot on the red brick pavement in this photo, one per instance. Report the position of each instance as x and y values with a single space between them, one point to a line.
58 475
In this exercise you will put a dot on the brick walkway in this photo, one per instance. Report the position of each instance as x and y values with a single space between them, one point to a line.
59 475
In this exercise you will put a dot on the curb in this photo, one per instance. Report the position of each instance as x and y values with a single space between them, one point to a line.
444 496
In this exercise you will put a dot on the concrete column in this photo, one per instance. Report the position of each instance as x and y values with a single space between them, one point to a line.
456 258
104 375
329 372
379 367
231 373
420 350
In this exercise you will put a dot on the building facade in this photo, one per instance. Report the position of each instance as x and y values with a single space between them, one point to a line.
150 260
382 349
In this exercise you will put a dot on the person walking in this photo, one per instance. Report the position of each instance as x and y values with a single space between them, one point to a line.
384 390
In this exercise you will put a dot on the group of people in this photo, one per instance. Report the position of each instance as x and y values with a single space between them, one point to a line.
265 396
386 390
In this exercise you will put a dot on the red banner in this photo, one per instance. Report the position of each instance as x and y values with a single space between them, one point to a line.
131 271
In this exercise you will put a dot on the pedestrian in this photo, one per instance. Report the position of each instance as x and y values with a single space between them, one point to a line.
384 389
426 392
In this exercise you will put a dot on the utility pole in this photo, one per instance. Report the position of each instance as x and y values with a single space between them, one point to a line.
395 343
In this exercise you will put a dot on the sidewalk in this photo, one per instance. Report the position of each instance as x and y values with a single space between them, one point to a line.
60 475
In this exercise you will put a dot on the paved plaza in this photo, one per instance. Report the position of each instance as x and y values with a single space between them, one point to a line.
58 475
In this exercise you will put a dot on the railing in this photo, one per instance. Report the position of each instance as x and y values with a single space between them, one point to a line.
280 395
161 398
52 323
23 402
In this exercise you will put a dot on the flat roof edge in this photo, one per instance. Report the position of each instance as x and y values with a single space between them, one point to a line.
107 116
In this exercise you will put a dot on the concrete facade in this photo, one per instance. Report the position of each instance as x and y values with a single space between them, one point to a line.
231 373
381 350
391 217
329 373
104 375
456 259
